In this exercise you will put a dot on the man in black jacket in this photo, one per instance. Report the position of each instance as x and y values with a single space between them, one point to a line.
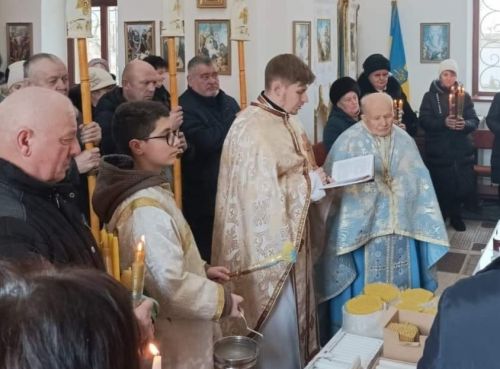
463 335
138 84
39 218
208 115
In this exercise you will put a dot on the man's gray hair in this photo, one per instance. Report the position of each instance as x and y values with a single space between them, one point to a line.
198 60
28 64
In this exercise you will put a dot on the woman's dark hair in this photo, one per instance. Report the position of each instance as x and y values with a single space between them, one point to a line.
65 319
135 120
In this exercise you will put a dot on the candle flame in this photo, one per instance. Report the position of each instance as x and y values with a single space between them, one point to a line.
153 349
143 239
140 246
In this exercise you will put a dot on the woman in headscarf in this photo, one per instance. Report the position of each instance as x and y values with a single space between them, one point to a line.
344 96
376 78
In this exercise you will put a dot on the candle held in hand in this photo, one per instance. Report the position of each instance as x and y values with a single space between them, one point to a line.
156 356
138 272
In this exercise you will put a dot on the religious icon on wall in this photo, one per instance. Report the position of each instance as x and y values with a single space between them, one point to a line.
211 3
19 41
302 41
179 50
139 40
324 38
434 42
213 40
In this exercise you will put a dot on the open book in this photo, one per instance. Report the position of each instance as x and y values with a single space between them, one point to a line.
351 171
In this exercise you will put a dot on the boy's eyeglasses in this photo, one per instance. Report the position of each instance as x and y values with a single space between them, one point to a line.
169 137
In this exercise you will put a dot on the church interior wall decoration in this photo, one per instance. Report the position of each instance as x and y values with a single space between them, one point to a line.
180 52
347 15
19 41
139 40
212 39
211 3
324 39
302 41
434 42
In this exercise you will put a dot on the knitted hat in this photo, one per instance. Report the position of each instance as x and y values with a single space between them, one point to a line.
448 64
376 62
341 87
16 73
99 78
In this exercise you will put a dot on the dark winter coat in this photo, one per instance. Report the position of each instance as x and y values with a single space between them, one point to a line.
449 154
393 88
493 122
39 219
206 123
338 122
105 110
464 331
445 146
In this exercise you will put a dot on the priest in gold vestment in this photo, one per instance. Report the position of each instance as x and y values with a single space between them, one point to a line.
267 181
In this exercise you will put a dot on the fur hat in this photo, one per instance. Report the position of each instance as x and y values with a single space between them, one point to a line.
376 62
99 78
341 87
448 64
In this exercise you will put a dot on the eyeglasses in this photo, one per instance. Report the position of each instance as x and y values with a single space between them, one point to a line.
169 137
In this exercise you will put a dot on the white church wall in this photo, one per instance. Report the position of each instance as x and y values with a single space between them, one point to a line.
374 25
19 11
270 24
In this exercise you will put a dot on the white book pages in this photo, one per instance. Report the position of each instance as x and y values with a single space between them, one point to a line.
351 171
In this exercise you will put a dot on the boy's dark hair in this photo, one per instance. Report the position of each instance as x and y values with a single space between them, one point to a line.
156 61
135 120
290 68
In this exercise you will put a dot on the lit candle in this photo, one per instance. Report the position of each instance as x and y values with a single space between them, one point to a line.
139 251
400 104
138 272
156 356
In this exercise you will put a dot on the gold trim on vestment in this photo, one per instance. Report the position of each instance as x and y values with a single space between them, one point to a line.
220 303
140 203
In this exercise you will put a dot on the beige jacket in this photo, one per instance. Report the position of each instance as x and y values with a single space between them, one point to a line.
175 276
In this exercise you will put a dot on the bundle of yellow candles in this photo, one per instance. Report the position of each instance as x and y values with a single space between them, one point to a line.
110 251
456 101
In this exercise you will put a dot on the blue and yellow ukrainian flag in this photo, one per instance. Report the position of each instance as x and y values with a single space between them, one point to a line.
398 58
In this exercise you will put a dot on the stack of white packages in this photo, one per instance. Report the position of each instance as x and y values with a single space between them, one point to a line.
347 351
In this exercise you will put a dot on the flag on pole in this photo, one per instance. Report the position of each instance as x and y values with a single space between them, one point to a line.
397 55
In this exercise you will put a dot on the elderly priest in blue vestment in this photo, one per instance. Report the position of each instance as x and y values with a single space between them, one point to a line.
388 230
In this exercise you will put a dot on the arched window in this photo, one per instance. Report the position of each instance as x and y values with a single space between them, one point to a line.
486 49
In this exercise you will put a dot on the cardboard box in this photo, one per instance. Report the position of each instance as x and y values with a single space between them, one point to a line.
406 351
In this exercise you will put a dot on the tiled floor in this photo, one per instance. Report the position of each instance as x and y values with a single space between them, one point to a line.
464 253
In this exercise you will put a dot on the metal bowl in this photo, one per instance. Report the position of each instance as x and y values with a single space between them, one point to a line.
238 352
